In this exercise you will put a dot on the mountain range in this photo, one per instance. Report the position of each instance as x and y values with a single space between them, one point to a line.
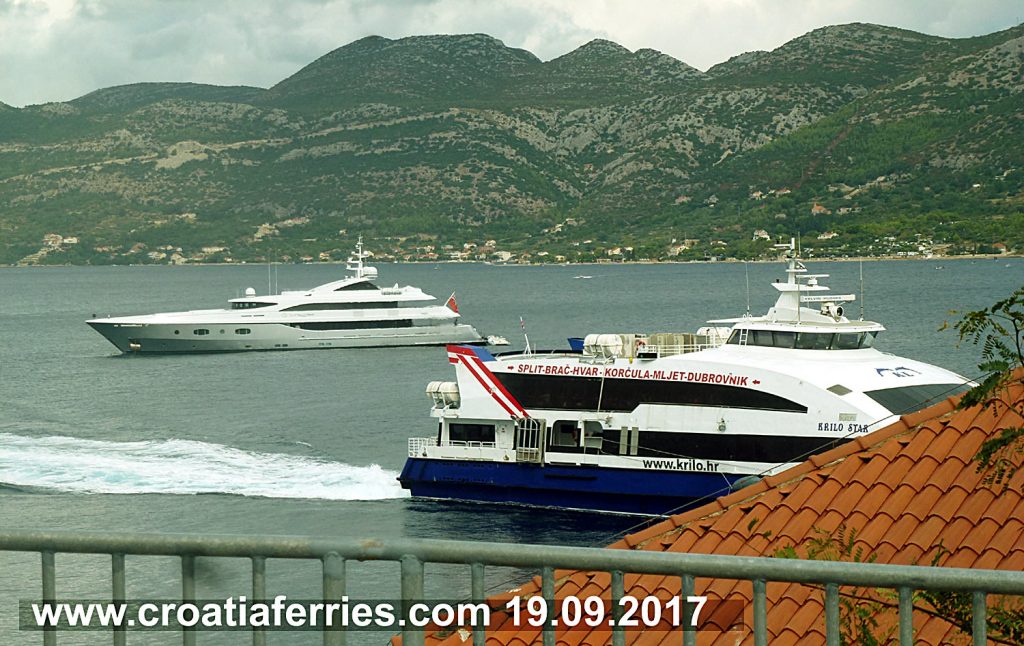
861 139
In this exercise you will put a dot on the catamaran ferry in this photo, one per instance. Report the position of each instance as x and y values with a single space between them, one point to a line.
650 423
348 313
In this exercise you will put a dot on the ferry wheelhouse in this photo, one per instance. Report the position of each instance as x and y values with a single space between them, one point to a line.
347 313
651 423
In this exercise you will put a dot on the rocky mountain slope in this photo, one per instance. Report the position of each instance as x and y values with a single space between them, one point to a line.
864 139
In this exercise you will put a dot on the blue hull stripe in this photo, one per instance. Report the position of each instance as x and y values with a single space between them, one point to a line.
637 491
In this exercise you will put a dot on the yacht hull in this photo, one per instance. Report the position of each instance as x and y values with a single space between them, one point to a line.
148 338
589 487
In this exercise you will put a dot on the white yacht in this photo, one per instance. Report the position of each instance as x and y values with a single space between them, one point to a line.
348 313
650 423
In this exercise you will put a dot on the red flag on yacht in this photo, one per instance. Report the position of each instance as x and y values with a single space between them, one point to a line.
451 304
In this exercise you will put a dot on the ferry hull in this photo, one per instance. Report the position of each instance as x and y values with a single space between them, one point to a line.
179 338
630 491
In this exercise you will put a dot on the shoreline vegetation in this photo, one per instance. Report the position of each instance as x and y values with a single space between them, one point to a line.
542 264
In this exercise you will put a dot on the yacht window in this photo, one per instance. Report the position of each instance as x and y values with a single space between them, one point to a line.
355 286
243 330
340 306
248 305
200 332
352 325
483 433
908 399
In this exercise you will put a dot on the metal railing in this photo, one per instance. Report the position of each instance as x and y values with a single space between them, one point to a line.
412 554
418 446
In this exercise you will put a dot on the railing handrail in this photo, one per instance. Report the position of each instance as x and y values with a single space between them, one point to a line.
524 556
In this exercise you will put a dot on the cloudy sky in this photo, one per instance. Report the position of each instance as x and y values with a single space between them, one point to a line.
56 50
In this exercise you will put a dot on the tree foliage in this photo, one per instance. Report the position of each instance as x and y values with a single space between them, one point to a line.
999 330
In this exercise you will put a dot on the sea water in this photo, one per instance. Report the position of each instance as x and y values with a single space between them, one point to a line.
311 442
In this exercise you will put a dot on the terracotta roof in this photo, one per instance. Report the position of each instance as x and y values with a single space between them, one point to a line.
909 494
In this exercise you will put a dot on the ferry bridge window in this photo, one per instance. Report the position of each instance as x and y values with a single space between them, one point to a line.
806 340
483 433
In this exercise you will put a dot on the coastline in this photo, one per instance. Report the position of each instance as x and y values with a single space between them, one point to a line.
550 264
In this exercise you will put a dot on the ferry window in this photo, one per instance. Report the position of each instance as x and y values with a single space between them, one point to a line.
734 338
847 341
868 340
483 433
761 337
565 433
243 330
200 332
908 399
805 341
813 341
624 395
785 339
593 436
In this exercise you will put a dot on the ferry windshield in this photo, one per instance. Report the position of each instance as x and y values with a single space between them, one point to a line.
804 340
909 399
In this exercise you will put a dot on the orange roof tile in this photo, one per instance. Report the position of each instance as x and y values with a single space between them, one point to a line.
910 491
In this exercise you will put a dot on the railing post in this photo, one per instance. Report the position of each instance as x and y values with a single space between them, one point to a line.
188 593
686 590
118 593
49 593
832 614
259 594
333 590
618 589
906 617
412 592
547 591
477 584
760 612
979 618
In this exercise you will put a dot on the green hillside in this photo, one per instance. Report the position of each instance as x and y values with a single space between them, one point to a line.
861 139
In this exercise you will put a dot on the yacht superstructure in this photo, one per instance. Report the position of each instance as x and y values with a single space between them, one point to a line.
647 423
347 313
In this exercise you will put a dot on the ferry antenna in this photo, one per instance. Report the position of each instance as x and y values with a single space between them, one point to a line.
862 290
746 273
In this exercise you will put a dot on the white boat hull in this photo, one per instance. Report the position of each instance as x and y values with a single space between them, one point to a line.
182 338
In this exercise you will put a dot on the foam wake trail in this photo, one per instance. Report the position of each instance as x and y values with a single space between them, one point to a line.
183 467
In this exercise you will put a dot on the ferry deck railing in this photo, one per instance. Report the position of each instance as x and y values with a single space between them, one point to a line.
412 554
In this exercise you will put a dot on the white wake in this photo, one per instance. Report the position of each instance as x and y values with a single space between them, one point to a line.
70 464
